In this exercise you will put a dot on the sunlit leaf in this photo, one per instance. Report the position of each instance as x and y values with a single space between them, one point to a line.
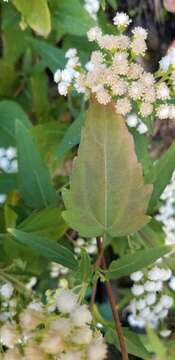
36 14
107 193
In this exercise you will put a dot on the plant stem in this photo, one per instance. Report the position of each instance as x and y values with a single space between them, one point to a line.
94 289
112 302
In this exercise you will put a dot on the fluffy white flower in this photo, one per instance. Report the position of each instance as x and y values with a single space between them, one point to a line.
140 304
140 33
71 355
82 336
136 276
94 34
155 273
6 290
121 19
165 274
163 111
81 315
63 326
9 335
165 62
66 301
52 343
162 91
2 198
158 286
137 290
97 349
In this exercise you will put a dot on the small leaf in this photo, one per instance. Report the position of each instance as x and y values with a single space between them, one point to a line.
46 248
52 56
162 172
133 343
36 14
72 136
156 344
10 112
33 176
46 222
107 193
136 261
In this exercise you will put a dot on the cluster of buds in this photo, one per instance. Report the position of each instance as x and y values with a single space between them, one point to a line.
65 334
115 74
167 212
151 302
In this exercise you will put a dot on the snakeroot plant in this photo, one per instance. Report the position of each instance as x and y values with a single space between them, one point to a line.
87 211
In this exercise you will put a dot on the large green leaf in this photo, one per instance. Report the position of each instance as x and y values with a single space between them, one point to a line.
33 176
136 261
72 136
46 222
52 56
107 193
162 172
71 17
133 343
46 248
36 14
10 111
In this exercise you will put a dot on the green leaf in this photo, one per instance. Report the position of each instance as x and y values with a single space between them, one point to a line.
52 56
33 176
84 272
71 137
162 172
71 17
8 182
141 146
36 14
107 193
46 248
47 222
40 101
48 136
133 343
10 112
156 344
135 261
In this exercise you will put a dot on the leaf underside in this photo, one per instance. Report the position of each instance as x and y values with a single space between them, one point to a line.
107 192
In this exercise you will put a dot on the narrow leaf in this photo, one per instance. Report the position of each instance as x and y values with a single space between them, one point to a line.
136 261
33 176
164 166
107 193
72 136
46 248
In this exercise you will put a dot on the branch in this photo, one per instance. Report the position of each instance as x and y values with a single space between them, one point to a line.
94 289
112 302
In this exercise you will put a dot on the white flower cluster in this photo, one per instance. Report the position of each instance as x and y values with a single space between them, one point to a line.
151 302
89 245
8 163
66 78
114 74
92 7
57 270
167 212
65 335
